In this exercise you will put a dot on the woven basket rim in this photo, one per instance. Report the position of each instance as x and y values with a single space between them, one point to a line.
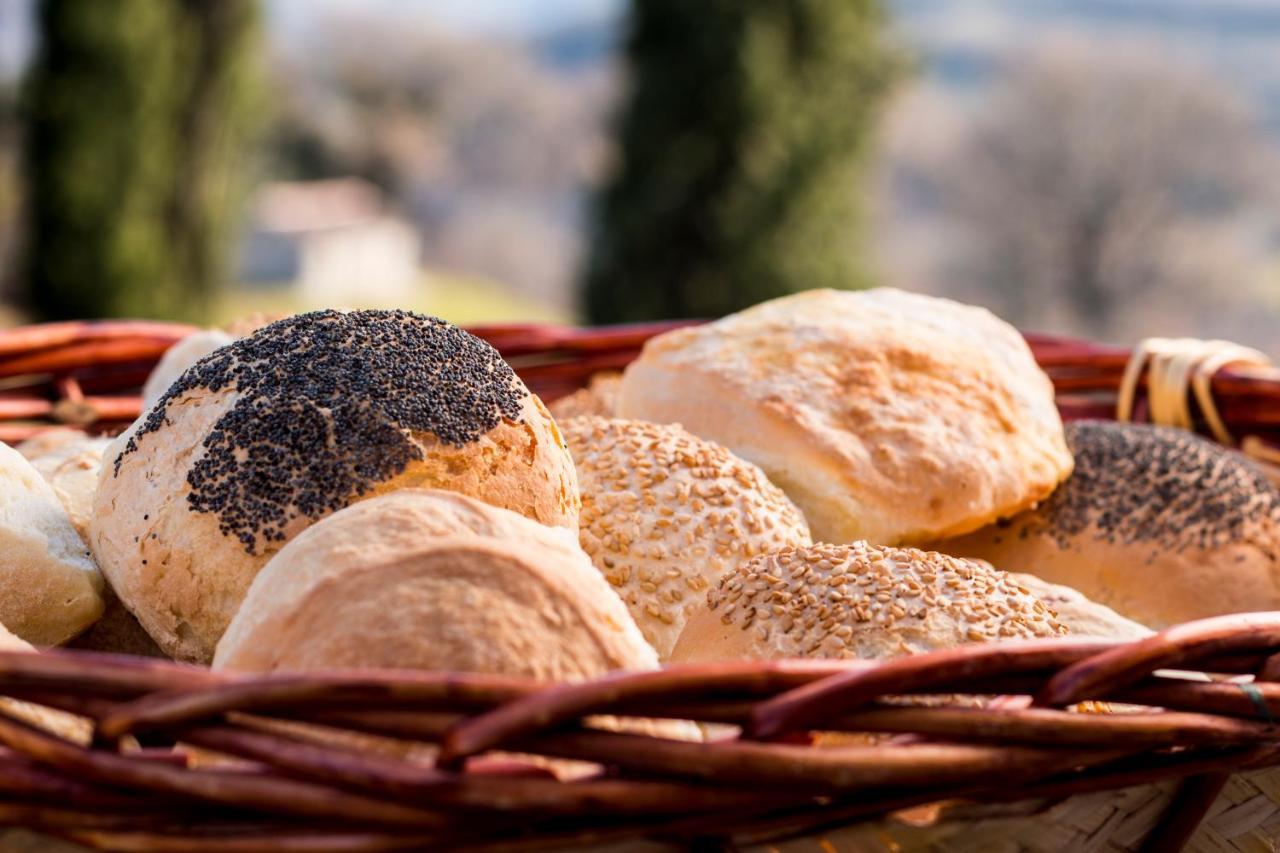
769 783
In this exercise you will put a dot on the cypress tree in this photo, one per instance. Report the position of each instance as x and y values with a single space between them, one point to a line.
139 113
741 147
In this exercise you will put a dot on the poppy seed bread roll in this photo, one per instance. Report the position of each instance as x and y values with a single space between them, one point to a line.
1156 523
886 416
858 601
265 436
665 514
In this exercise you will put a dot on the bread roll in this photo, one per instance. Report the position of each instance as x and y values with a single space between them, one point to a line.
50 589
1081 616
312 413
65 725
369 534
599 398
1155 523
526 604
858 601
665 514
71 467
885 416
178 358
47 441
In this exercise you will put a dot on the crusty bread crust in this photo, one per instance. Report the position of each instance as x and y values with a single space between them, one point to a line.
50 589
884 415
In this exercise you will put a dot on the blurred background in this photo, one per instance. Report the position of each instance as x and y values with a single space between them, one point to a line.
1109 168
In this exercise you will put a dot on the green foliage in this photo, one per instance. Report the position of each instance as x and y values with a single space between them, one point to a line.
742 145
139 113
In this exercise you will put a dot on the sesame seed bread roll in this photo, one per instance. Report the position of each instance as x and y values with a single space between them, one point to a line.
665 514
178 358
50 589
599 398
65 725
268 435
886 416
858 601
1157 524
1081 616
71 467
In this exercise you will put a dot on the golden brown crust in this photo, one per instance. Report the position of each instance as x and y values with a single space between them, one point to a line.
1155 523
249 449
858 601
50 589
884 415
665 514
599 398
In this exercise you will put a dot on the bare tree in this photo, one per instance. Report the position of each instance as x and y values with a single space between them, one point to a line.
1085 178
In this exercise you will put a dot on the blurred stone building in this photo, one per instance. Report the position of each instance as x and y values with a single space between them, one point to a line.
330 242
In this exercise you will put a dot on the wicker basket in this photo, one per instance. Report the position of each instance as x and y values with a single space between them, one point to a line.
1198 764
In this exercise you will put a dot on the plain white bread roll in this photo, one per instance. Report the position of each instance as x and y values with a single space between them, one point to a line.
858 601
665 514
884 415
368 534
264 437
178 358
599 398
50 589
423 581
71 467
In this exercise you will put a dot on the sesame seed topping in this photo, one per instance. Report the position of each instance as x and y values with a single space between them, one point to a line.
870 599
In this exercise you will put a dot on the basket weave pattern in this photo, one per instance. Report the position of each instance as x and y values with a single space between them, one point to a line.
1198 761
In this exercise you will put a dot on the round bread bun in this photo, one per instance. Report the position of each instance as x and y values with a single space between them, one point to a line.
665 514
50 589
178 358
886 416
528 604
46 441
1157 524
72 467
1081 616
362 537
269 434
858 601
65 725
599 398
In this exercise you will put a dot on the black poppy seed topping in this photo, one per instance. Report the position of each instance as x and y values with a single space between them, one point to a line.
1136 483
327 404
